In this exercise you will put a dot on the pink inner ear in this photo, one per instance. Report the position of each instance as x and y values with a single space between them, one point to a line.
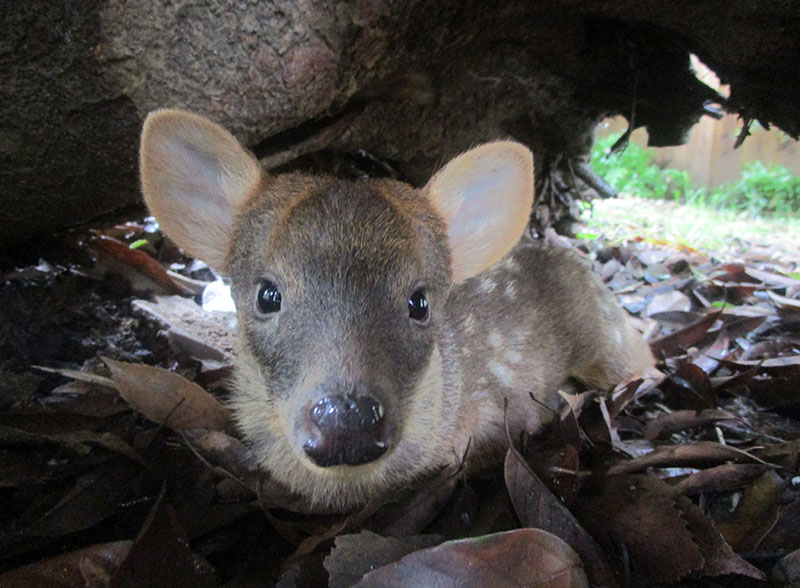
485 196
194 176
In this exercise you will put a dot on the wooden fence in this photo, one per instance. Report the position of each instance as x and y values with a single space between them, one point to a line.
709 156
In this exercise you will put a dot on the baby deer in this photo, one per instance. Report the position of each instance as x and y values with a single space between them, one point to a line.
382 327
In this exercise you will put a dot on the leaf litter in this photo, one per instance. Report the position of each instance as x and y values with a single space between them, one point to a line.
119 467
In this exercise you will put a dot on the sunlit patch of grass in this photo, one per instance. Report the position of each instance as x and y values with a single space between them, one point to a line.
697 227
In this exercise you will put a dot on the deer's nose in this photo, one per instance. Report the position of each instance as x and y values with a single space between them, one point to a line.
346 431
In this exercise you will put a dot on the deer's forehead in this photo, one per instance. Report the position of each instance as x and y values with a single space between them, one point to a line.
334 222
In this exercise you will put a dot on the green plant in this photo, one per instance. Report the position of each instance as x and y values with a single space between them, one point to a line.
759 190
634 171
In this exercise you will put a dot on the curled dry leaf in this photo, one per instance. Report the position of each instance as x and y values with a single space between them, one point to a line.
684 419
143 271
772 278
166 397
525 557
724 478
696 454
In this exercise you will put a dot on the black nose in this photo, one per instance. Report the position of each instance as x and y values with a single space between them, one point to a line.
349 431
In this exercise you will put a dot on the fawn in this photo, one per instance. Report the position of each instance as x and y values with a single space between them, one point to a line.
381 328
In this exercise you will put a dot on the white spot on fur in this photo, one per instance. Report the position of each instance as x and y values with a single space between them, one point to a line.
469 323
519 336
482 395
509 264
495 339
513 356
501 372
487 285
511 291
618 336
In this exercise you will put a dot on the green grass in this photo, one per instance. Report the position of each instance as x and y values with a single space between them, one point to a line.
725 233
760 191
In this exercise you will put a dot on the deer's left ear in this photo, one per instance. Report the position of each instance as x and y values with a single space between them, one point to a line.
485 197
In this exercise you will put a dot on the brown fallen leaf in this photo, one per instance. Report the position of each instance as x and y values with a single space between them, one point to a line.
664 535
412 515
695 454
785 573
668 301
720 560
90 566
783 535
730 272
166 397
755 514
786 455
525 557
708 361
84 398
684 419
629 514
94 497
537 507
679 341
784 302
143 271
724 478
772 392
555 456
230 457
692 387
676 319
353 556
160 555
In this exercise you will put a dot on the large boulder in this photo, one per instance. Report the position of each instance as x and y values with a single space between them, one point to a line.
411 82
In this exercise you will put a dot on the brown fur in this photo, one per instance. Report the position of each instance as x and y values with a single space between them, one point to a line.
508 316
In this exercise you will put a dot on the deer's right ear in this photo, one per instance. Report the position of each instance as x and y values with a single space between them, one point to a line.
195 177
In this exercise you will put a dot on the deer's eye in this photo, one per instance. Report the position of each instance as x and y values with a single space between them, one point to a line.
418 306
268 298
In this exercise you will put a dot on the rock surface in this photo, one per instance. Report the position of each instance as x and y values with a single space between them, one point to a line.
410 82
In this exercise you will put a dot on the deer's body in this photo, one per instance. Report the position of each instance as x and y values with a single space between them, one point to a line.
381 328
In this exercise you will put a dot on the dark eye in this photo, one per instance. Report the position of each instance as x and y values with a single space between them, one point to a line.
418 306
268 298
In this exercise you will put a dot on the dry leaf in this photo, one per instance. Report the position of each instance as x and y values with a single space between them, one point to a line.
166 397
525 557
90 566
755 514
537 507
693 455
353 556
